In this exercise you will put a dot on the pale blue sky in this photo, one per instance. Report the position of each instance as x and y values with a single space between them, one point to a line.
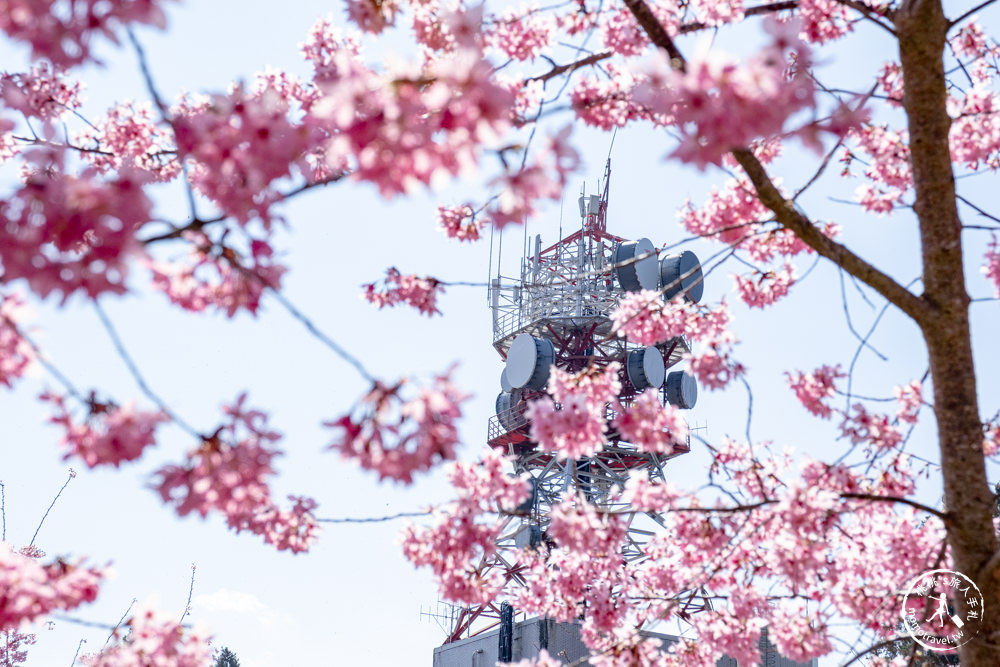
354 600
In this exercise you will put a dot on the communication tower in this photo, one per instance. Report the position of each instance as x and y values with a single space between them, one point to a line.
557 312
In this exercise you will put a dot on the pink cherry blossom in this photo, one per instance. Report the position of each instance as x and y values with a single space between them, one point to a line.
214 275
8 144
812 389
64 232
154 640
397 436
520 189
465 531
652 426
129 136
970 41
44 93
798 633
459 222
523 33
823 20
572 422
109 434
16 353
32 590
991 439
407 126
887 154
238 145
61 30
719 105
229 474
605 103
718 13
764 289
890 82
910 400
396 288
373 16
862 426
13 648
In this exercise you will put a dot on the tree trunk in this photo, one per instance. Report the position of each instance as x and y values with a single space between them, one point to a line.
922 28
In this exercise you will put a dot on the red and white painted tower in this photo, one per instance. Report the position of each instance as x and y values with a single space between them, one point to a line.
557 312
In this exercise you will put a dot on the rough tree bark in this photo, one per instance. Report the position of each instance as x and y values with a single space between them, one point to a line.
921 28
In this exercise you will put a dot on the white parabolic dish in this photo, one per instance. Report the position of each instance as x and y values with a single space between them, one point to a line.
521 359
652 366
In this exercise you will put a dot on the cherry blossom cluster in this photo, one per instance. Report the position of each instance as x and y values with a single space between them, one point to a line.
129 136
154 640
66 232
459 222
582 572
62 30
718 105
13 648
523 33
397 436
238 145
16 353
109 434
606 103
464 532
407 126
812 525
572 420
812 389
520 189
734 215
910 399
763 289
373 15
652 426
44 92
396 288
228 474
215 275
32 590
645 318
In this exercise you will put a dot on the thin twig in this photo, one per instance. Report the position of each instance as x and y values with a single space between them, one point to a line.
317 333
51 505
148 77
981 5
3 513
187 607
377 519
977 210
77 654
116 341
118 624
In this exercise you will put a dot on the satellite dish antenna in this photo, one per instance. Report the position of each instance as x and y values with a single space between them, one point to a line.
635 265
645 368
504 382
682 390
529 360
682 273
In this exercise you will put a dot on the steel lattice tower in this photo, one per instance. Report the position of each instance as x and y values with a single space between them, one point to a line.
557 313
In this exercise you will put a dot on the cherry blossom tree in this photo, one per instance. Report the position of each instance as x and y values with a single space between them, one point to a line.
782 541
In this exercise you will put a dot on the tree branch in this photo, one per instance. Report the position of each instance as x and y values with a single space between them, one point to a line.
896 499
790 217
